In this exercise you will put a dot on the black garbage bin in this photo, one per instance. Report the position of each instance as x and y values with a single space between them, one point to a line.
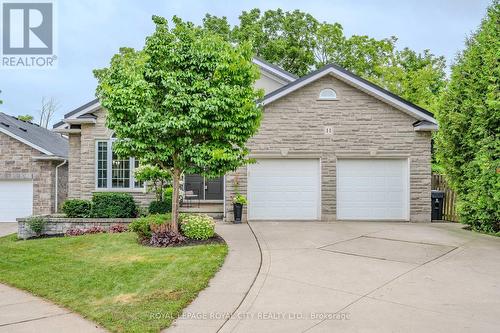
437 201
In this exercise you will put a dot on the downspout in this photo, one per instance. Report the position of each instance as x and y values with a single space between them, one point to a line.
57 185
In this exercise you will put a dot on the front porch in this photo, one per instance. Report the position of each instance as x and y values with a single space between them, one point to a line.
213 208
203 195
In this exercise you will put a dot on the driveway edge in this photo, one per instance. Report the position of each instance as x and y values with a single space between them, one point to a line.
228 289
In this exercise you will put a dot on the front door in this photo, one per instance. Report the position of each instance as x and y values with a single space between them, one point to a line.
214 188
204 188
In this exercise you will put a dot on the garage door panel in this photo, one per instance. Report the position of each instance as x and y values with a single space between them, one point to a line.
284 189
16 199
372 189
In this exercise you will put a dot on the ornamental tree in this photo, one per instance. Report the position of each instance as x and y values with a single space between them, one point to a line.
468 140
185 103
158 179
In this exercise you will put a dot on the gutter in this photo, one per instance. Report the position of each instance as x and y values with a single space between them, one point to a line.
49 158
57 185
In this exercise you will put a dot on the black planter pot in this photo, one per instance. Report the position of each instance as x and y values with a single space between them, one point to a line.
238 211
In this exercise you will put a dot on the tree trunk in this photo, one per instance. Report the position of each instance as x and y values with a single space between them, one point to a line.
176 177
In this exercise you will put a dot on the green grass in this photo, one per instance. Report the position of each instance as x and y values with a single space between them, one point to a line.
109 278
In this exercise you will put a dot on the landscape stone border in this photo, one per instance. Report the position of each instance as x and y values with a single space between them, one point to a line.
60 224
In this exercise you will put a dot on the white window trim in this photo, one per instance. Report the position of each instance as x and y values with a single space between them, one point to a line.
320 98
109 171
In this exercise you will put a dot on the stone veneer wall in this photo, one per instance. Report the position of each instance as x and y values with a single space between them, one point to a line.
82 164
74 175
59 225
362 126
16 162
62 189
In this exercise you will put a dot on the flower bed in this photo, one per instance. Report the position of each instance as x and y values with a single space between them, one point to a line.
60 225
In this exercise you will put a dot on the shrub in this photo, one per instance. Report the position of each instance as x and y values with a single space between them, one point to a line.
142 211
113 205
77 208
162 235
36 224
155 177
467 141
197 226
160 207
167 195
118 228
75 232
240 199
142 226
90 231
95 230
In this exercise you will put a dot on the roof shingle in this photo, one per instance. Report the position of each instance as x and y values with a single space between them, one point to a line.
36 135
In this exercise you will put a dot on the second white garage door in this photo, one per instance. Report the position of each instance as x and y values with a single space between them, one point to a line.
372 189
284 189
16 199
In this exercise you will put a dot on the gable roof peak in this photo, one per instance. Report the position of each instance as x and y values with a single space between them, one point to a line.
358 82
35 136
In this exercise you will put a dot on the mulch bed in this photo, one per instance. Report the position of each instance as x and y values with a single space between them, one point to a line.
216 239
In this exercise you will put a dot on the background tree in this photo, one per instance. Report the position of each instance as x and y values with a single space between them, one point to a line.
468 141
47 111
26 117
299 43
361 55
218 25
286 39
419 78
185 103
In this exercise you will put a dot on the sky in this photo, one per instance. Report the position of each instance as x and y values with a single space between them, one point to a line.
89 32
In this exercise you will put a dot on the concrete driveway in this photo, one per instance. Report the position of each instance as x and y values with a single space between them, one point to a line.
372 277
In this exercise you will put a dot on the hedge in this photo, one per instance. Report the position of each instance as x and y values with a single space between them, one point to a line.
469 127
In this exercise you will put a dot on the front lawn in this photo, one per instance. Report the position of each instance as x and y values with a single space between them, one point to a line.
109 278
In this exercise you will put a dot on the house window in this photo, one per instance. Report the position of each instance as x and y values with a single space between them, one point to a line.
328 94
102 164
113 172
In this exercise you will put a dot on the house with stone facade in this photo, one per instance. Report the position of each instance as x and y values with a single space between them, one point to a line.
331 146
33 169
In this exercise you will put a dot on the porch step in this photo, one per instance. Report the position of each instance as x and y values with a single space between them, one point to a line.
214 210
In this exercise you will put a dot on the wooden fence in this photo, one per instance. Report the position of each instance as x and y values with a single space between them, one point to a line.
449 209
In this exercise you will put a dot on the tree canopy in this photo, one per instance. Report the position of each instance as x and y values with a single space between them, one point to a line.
26 117
299 43
185 103
468 141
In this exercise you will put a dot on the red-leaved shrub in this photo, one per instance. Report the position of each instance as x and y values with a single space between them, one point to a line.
79 231
75 232
162 236
118 228
95 230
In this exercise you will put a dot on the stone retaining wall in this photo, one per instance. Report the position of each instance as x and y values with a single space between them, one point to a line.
59 225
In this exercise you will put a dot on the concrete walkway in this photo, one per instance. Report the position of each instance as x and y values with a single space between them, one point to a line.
371 277
227 289
23 312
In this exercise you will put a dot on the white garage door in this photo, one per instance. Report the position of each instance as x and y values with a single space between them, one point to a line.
372 189
284 189
16 199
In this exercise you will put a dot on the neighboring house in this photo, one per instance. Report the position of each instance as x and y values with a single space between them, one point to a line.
331 146
33 169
